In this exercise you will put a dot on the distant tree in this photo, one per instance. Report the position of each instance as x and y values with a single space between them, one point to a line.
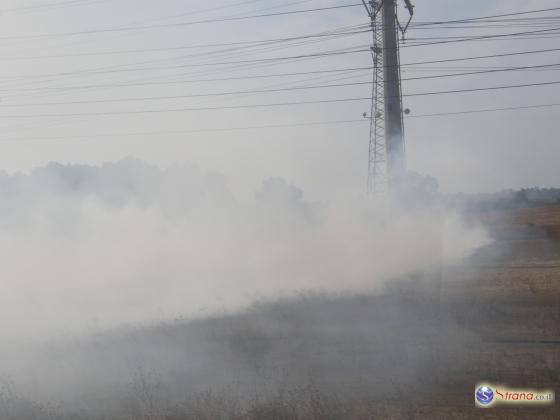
521 198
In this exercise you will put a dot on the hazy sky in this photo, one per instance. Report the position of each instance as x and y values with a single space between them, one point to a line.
482 152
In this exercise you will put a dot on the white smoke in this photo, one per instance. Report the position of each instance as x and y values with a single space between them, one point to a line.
95 247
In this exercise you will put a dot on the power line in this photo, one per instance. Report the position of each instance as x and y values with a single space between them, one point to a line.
486 20
266 76
354 30
524 19
190 131
498 70
487 110
49 6
497 25
109 70
215 108
268 105
480 37
484 89
285 89
183 24
218 79
260 60
330 33
551 35
228 63
487 17
281 6
480 57
200 95
128 67
286 125
517 53
462 37
199 11
465 68
244 67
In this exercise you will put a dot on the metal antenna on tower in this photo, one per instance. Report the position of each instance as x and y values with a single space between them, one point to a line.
386 162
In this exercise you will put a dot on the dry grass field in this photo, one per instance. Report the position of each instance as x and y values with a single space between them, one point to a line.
509 296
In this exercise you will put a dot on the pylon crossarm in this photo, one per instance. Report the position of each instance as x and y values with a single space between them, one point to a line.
370 12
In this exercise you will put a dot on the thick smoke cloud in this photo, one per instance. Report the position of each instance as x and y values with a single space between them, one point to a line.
89 247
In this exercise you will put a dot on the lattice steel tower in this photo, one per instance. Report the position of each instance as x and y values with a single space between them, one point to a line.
386 165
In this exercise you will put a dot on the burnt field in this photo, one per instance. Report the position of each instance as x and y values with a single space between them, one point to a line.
412 351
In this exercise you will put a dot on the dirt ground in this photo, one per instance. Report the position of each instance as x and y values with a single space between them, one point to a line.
509 296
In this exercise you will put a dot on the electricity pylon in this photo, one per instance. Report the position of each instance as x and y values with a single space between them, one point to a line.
387 163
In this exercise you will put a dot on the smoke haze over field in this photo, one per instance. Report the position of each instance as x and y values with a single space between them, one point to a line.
233 266
95 247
